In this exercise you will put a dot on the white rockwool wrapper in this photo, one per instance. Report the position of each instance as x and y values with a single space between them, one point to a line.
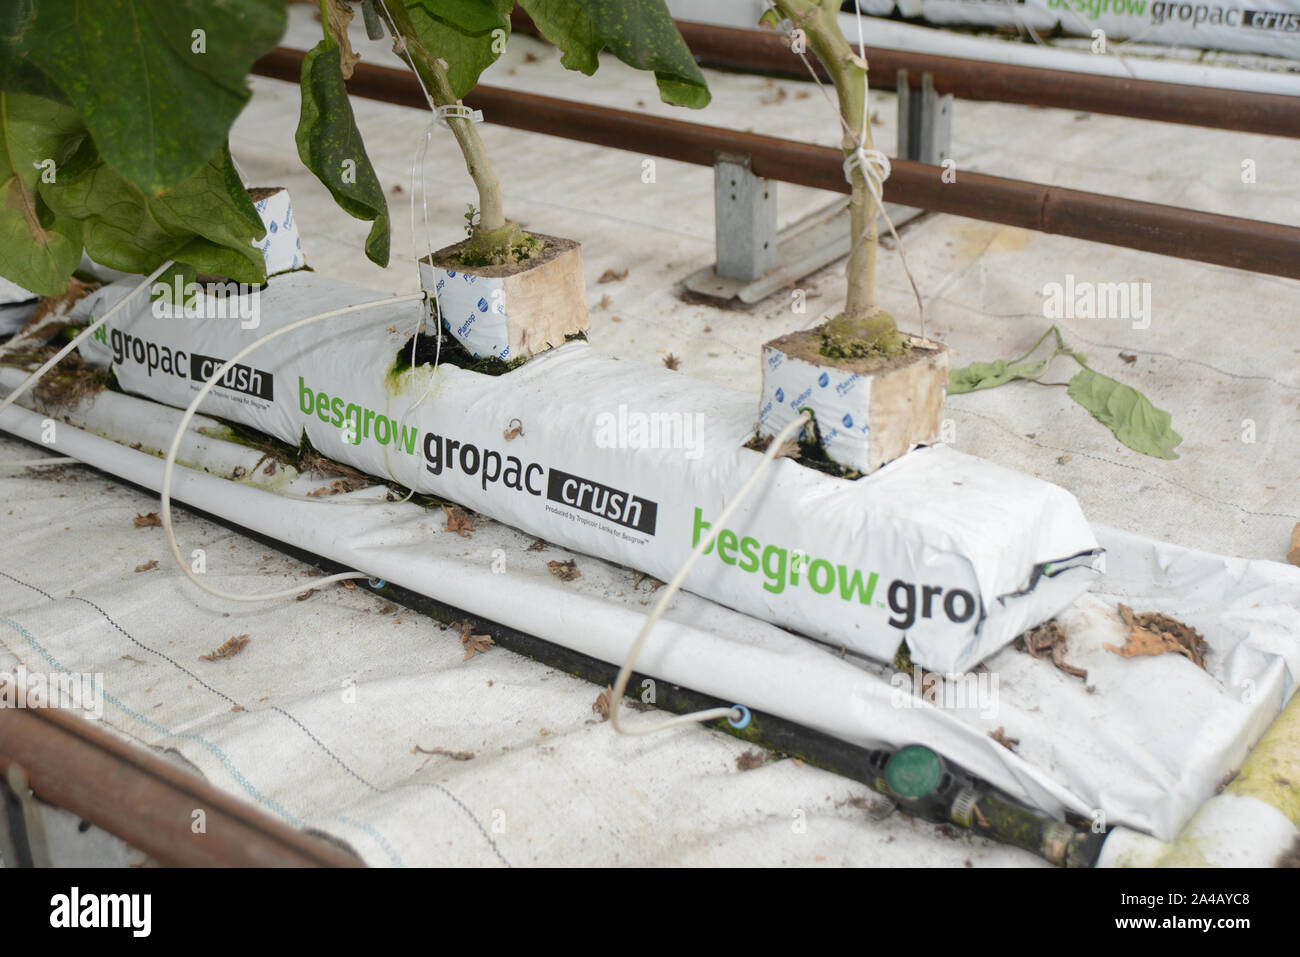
16 306
632 463
281 246
473 309
839 400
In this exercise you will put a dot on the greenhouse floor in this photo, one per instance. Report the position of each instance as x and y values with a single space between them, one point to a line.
548 783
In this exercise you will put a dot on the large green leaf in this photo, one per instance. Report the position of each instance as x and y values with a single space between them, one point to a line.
40 248
1126 412
473 18
641 33
467 54
330 145
157 108
206 222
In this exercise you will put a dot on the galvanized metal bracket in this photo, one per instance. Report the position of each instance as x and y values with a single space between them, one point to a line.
754 260
22 828
924 121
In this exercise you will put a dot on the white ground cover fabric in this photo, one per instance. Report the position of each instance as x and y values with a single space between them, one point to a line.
1218 354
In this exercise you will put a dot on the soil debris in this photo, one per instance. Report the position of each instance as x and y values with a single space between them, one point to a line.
148 521
1047 639
672 362
613 275
339 485
445 752
1128 358
229 648
750 760
564 571
538 545
1000 736
148 566
458 520
1293 556
601 705
474 644
1151 633
514 429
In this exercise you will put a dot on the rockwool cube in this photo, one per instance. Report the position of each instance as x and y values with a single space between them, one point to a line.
868 411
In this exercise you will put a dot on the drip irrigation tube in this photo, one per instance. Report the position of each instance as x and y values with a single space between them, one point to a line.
1187 234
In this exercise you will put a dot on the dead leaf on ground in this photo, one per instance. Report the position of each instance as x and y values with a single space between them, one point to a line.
1151 633
1293 556
564 571
601 704
148 521
57 306
1047 639
613 275
1128 358
458 520
750 760
605 302
229 648
148 566
672 362
1000 736
538 545
445 752
305 595
473 643
655 584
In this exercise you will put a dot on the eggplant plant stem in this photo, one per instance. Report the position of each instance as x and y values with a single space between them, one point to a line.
818 22
433 71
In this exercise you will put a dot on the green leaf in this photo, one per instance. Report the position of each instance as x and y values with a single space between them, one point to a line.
206 222
41 248
987 375
565 24
156 107
641 33
1126 412
473 18
329 145
466 55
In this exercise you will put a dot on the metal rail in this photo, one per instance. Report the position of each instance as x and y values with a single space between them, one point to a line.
767 52
147 802
1187 234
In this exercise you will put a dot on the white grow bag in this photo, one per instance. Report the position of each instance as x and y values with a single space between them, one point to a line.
631 463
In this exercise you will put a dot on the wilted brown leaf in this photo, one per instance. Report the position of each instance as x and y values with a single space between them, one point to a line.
601 704
1049 638
1152 633
148 521
458 520
473 643
229 648
564 571
613 275
147 566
